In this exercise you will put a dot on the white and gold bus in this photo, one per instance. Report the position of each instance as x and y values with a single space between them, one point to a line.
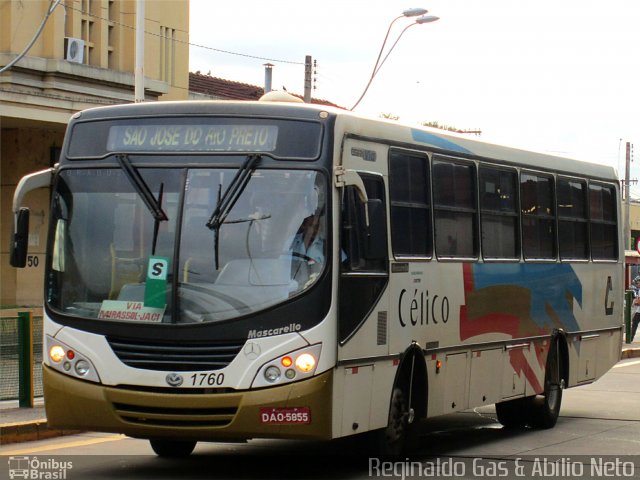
234 270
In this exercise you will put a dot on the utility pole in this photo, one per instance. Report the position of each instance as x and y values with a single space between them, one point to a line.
139 69
627 198
307 79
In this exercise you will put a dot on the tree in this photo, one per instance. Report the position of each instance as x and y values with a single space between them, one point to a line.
449 128
389 116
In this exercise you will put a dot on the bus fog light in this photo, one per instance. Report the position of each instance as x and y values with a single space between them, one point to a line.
305 362
66 366
82 367
272 374
56 353
290 374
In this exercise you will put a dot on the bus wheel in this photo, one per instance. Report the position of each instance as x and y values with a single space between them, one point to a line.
172 448
391 440
545 408
513 413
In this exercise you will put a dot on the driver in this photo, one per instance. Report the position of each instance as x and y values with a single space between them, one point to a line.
308 242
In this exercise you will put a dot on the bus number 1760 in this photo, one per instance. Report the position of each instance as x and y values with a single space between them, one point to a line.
210 379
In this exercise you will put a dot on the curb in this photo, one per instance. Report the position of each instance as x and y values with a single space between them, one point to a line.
630 353
30 431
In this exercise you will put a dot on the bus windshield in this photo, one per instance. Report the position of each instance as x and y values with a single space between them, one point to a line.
112 260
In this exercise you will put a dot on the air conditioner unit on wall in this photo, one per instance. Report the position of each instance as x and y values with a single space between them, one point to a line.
73 49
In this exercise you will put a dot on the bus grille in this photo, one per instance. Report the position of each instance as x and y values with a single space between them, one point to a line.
176 417
182 357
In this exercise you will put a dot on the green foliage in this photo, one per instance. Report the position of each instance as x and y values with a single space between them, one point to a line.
436 124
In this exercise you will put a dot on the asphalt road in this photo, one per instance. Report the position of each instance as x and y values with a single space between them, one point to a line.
597 435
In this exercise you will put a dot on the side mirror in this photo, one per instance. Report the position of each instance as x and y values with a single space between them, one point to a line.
20 240
376 244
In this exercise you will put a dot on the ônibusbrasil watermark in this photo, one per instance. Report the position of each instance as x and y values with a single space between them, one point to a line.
34 468
523 467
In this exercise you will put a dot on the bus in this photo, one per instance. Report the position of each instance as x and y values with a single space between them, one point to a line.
222 271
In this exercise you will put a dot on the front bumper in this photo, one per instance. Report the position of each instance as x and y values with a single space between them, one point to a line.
75 404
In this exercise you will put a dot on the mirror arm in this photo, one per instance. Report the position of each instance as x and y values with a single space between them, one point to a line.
346 177
25 185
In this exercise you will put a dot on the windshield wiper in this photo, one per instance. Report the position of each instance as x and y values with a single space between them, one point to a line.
156 222
141 187
231 195
249 219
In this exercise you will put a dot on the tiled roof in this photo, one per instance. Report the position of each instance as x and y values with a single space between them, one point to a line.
222 89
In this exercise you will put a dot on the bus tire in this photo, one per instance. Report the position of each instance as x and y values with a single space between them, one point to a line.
390 441
545 408
172 448
513 413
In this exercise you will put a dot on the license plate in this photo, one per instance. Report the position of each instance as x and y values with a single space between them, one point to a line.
285 416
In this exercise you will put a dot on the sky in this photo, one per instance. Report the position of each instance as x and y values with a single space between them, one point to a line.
557 76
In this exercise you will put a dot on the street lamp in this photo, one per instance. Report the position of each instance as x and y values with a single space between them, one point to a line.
419 21
412 12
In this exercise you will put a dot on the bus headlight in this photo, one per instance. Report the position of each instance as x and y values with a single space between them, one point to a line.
57 353
272 374
82 367
298 365
305 362
75 364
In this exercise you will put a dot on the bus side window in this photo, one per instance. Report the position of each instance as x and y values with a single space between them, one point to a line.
351 224
364 248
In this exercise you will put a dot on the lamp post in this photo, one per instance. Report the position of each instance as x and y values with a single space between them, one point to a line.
412 12
419 21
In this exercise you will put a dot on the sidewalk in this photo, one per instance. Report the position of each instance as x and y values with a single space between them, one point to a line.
25 424
28 424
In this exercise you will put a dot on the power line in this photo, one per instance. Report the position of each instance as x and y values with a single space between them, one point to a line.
240 54
52 6
219 50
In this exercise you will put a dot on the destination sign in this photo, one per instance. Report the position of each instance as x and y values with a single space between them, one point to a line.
192 138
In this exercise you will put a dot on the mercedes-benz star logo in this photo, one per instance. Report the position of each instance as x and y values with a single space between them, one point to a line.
251 350
174 379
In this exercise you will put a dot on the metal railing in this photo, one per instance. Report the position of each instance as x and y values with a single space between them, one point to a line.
21 355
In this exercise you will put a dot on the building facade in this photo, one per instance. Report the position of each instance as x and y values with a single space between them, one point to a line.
634 222
83 57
